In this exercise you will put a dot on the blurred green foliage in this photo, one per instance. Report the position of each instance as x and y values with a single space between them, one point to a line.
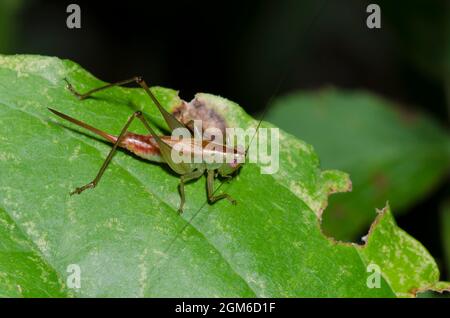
404 166
390 153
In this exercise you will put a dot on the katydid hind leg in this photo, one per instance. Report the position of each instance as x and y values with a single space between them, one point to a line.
82 96
166 150
105 164
171 121
210 189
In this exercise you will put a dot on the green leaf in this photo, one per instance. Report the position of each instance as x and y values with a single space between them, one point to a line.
126 235
382 146
23 272
402 269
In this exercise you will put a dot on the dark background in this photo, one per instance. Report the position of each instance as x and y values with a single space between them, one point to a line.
244 49
248 51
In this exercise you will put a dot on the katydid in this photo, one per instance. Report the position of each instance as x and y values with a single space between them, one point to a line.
157 148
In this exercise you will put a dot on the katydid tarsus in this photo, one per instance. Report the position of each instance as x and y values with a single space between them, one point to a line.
159 148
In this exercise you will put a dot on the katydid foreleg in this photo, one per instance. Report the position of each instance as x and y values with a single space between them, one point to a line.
210 189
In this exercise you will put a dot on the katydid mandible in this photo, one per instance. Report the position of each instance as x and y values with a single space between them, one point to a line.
157 148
